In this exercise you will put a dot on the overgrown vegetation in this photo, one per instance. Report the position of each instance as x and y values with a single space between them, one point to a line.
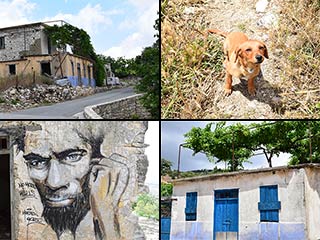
148 68
81 45
297 36
147 206
235 144
191 62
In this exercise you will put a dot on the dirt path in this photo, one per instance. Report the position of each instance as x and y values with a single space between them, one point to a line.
241 15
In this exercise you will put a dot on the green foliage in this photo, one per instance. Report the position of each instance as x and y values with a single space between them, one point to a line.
165 167
80 43
166 189
147 206
219 144
273 138
121 67
148 67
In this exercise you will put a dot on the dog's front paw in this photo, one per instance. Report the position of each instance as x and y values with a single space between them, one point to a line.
227 91
252 91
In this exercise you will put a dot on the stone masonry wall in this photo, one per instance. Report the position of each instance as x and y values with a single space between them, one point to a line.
20 41
126 108
76 180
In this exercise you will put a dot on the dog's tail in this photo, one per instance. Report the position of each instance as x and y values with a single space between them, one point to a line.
216 31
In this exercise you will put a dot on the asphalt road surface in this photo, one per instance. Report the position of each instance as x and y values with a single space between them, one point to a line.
70 108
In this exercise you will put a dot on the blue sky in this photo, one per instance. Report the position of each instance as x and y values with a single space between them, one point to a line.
117 28
172 135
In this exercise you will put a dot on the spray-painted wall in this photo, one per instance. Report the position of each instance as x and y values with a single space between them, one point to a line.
76 180
298 193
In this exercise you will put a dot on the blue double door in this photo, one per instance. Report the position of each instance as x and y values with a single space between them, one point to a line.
226 214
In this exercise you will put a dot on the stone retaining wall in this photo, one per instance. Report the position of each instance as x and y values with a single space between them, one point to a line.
125 108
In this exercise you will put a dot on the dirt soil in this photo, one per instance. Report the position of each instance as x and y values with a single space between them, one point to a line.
241 15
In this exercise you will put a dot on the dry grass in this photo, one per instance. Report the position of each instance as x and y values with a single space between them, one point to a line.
191 62
298 37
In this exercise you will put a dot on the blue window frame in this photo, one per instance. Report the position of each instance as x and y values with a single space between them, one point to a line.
269 205
191 206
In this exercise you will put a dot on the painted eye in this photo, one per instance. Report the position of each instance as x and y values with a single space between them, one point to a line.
74 156
38 164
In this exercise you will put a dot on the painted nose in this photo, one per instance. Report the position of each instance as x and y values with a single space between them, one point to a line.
55 179
259 58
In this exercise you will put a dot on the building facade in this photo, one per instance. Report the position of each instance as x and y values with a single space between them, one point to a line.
274 203
27 50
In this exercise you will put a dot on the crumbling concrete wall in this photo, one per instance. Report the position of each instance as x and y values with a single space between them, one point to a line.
21 41
76 180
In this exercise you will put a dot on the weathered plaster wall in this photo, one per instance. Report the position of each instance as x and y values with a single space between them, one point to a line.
291 192
312 199
28 65
101 164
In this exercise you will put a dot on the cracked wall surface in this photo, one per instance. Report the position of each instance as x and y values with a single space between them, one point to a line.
76 180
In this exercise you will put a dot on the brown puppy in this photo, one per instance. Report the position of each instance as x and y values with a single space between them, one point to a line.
243 58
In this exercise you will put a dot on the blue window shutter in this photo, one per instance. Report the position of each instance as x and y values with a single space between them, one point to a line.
191 206
269 205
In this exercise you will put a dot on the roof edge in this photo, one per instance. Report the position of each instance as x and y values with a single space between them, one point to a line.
251 171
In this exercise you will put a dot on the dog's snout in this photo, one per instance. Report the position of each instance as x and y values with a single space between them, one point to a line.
259 58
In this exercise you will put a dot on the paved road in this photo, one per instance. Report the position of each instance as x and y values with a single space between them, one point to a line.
69 108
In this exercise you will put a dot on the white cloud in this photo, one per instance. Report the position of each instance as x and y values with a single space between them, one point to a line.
15 12
91 18
143 35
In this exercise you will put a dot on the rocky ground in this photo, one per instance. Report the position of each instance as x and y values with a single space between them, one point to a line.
255 21
150 228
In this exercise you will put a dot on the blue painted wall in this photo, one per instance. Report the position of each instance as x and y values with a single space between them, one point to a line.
85 81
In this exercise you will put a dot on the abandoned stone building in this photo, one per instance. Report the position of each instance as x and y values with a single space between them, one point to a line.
71 180
27 50
273 203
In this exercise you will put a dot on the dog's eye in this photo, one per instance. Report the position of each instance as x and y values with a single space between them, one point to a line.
248 50
261 47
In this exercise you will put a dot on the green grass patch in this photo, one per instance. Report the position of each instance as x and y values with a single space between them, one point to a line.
147 206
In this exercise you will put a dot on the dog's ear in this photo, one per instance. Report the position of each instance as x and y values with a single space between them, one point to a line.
238 53
265 52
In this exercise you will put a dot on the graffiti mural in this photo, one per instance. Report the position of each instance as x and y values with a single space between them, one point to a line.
85 185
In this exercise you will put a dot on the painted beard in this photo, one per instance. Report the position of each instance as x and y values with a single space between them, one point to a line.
67 217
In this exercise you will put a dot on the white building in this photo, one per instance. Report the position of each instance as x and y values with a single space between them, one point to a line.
272 203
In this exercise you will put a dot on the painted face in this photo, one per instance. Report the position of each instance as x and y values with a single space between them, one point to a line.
58 163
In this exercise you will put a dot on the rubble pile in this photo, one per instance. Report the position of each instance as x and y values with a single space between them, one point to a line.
20 97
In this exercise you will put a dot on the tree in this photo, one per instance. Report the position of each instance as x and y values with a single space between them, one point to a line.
226 144
165 167
148 67
80 43
237 143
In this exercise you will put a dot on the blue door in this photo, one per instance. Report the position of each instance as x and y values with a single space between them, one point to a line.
165 228
226 214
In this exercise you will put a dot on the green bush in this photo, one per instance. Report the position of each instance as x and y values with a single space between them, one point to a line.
147 206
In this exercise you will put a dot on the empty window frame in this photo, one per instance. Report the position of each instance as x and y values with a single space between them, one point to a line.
89 72
72 68
12 69
269 205
2 43
191 206
84 71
